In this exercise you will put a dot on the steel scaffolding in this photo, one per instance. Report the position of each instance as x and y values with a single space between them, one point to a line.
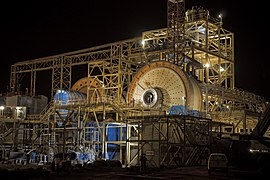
194 41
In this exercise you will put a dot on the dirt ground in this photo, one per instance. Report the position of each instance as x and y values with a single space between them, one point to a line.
105 173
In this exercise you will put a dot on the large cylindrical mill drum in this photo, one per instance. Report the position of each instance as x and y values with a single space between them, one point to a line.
164 84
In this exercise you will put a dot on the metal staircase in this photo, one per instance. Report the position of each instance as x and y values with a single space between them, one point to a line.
47 111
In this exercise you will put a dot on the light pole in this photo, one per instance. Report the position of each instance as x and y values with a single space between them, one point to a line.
2 110
220 17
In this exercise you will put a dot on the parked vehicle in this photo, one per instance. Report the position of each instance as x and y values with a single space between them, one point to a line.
217 162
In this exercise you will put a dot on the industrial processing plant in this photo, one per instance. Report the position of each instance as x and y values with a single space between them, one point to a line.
168 94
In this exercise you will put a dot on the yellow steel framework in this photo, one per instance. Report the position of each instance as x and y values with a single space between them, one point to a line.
176 30
194 41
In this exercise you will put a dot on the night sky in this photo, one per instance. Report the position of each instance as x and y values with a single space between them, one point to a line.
34 29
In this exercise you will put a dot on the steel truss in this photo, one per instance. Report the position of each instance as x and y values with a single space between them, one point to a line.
168 140
209 56
23 134
204 49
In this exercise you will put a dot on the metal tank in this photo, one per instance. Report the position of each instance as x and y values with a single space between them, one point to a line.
64 97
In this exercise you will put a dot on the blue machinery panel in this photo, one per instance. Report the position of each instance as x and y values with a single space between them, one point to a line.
178 110
113 135
181 110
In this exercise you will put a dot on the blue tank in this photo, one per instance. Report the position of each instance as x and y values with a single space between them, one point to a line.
64 97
